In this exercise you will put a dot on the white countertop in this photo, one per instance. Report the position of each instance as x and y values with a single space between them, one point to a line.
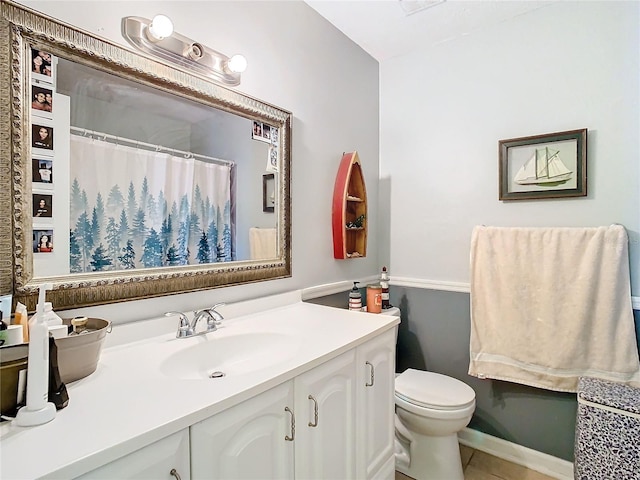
128 402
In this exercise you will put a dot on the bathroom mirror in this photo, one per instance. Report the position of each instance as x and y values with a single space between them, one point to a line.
129 178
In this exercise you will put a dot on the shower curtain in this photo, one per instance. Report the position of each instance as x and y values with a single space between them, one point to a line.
133 208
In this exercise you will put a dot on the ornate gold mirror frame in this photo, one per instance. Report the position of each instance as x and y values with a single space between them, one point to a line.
21 27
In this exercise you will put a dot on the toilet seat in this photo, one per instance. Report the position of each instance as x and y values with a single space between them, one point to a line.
433 391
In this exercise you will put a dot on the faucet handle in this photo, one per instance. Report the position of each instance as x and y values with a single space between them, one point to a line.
211 320
184 328
215 314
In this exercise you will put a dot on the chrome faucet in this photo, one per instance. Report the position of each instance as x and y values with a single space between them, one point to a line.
214 318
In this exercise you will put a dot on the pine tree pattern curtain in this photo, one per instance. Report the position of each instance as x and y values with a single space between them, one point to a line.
133 208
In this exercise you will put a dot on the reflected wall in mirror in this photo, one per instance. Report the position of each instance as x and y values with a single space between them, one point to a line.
149 175
268 192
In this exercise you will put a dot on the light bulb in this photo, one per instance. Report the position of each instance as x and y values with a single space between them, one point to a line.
237 64
160 27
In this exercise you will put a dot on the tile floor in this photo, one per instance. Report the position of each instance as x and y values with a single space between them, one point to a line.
482 466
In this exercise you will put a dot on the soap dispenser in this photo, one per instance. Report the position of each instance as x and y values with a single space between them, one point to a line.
37 410
51 318
355 298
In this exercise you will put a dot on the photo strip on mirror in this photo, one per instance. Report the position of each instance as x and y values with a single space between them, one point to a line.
42 101
42 136
273 159
42 172
42 240
42 207
264 132
43 66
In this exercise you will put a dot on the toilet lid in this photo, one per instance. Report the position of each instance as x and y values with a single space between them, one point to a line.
432 390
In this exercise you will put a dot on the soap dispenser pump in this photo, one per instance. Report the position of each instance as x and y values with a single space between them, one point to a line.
355 298
37 410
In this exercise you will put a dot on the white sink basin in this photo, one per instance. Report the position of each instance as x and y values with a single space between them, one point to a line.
232 355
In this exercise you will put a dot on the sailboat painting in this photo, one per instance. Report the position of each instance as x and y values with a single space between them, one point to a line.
544 166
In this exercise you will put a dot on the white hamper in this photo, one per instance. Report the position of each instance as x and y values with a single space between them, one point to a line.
607 443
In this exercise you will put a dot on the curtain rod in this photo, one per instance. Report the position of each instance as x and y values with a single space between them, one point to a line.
146 146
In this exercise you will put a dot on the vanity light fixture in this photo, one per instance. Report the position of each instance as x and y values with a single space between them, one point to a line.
160 27
156 37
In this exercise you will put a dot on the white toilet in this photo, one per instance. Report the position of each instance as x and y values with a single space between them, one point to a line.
430 410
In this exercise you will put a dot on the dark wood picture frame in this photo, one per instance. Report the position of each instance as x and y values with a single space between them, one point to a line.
552 165
268 192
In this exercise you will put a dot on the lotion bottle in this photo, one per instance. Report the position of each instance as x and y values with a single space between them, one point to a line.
37 410
22 318
355 298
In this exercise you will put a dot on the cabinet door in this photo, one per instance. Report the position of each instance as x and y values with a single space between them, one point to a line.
376 404
247 441
155 461
325 442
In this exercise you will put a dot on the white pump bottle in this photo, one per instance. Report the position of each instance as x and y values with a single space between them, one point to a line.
37 410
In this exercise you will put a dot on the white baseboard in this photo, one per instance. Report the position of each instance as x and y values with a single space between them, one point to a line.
512 452
335 287
431 284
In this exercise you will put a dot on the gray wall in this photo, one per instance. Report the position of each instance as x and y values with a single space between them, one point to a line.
434 335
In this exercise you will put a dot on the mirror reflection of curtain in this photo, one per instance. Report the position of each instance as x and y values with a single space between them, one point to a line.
133 208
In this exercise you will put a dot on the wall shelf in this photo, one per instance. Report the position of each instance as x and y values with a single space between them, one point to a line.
349 212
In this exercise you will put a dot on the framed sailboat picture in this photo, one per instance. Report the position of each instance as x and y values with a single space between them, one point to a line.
553 165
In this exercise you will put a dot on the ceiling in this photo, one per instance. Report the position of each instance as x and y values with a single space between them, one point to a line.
391 28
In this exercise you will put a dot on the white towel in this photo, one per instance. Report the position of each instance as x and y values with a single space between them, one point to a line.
262 243
551 304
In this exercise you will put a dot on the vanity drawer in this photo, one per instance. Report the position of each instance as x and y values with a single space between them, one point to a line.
155 461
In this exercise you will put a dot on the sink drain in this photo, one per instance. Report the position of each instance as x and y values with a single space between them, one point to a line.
217 375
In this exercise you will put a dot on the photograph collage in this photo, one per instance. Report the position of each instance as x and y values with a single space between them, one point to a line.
266 133
42 86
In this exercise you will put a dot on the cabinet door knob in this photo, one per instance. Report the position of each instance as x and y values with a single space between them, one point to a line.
315 412
174 473
293 426
372 374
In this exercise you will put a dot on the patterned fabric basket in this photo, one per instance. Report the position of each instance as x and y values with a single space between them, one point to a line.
607 443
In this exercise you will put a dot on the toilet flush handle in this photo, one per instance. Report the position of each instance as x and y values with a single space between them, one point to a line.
372 373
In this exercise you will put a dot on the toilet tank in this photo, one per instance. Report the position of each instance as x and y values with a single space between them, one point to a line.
391 311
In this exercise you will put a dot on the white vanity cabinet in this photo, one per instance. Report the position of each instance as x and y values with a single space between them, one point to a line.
248 440
308 394
334 421
165 459
376 361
